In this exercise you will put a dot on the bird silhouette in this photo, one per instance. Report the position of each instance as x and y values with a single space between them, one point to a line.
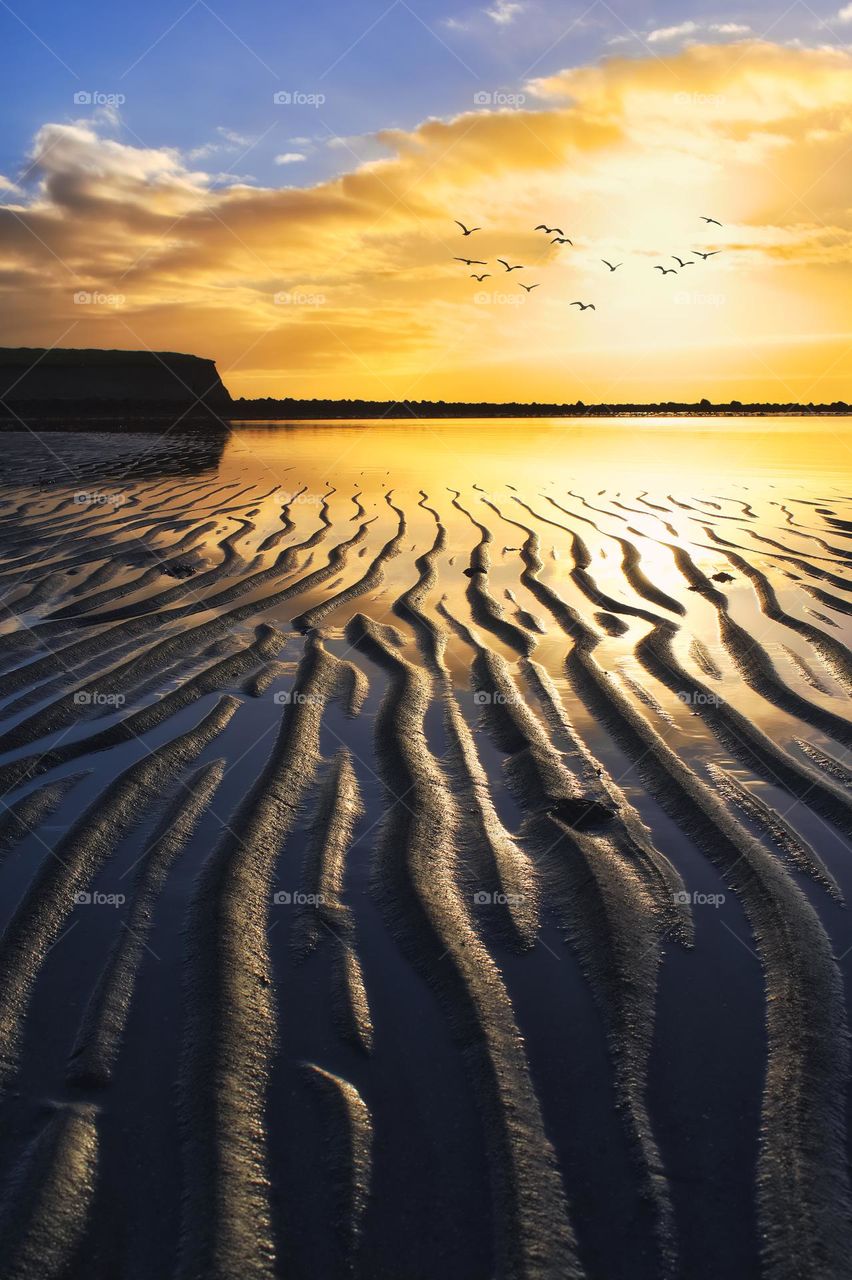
667 271
714 221
486 275
471 262
585 306
681 262
465 230
609 264
562 240
518 267
705 256
550 230
529 287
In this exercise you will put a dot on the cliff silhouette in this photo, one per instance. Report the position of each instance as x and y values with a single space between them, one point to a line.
90 383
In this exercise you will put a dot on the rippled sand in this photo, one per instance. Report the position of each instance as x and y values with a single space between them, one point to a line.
424 851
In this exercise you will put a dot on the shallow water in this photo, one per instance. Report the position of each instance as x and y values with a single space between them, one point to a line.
658 622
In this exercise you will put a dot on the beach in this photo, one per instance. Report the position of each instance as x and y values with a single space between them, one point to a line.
424 851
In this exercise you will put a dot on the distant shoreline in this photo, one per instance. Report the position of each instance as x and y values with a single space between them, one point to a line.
126 417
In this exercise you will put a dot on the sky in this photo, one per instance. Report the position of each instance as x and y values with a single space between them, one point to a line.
275 186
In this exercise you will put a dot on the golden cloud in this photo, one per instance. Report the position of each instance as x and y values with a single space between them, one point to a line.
349 287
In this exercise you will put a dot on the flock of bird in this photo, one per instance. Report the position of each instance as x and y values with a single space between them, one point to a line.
561 238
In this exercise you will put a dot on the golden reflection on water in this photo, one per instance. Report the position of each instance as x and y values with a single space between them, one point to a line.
653 453
633 475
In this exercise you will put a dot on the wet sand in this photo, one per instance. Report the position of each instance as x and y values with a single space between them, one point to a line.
424 851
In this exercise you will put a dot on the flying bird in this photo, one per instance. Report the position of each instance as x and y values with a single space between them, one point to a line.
667 271
518 267
486 275
714 221
550 230
681 262
584 306
471 262
609 264
705 256
465 230
562 240
529 287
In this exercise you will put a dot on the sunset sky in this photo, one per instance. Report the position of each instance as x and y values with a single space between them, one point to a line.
307 243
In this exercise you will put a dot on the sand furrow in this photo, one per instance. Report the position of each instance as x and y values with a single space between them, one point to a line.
348 1149
373 577
46 1205
612 899
417 879
741 735
797 851
219 675
804 1200
231 1024
323 914
102 1028
76 859
751 659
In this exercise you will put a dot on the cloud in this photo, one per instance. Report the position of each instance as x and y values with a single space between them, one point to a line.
625 155
684 30
663 34
504 11
290 157
845 15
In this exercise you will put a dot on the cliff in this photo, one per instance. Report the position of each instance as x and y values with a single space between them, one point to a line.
91 381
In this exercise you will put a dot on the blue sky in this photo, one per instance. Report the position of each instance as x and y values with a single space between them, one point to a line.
201 77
